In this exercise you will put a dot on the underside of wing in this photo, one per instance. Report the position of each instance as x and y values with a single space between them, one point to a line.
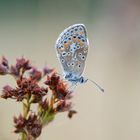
72 49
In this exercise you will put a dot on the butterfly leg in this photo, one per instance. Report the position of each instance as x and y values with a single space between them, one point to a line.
73 86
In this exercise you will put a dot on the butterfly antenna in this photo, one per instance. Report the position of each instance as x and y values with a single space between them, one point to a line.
96 85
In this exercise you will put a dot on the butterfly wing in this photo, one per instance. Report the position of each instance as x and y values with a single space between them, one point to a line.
72 48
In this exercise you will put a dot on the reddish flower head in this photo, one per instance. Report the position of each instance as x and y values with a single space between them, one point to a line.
52 81
4 67
21 66
20 123
47 70
64 106
23 63
34 125
7 92
35 74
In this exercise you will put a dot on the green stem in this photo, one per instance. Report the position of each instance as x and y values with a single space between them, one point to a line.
26 110
23 136
26 107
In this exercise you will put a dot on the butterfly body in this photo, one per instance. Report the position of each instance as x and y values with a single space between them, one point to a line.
75 80
72 48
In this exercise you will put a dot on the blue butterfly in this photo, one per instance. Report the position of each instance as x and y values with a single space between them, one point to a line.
72 49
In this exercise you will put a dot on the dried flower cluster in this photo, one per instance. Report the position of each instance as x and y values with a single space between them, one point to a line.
51 98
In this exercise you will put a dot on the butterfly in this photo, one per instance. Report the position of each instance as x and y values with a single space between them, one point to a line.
72 49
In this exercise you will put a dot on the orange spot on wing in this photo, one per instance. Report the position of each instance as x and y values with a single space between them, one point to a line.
69 42
76 33
66 45
77 40
74 39
82 43
82 33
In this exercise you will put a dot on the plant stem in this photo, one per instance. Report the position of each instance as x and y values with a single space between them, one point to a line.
26 109
23 136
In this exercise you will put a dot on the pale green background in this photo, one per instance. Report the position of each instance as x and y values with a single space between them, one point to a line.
30 28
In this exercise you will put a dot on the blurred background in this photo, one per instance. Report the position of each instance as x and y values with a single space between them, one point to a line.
30 28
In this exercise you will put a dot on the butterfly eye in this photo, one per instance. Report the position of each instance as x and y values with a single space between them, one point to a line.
69 38
65 41
79 37
74 36
83 40
68 53
76 29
